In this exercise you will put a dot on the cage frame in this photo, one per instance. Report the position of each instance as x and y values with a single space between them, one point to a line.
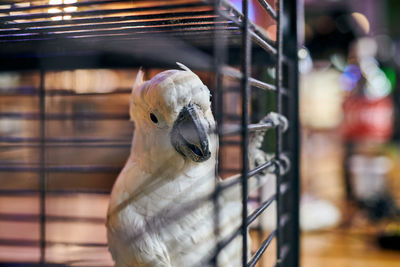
283 53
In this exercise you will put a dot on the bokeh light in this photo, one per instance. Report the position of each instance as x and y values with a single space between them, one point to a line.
350 77
362 21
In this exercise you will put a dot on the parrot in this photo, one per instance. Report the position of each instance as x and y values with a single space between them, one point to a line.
163 209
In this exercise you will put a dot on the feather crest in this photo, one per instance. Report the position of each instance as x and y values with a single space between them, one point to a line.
183 66
136 85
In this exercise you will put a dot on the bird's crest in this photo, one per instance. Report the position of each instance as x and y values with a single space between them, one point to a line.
138 81
138 91
183 66
136 85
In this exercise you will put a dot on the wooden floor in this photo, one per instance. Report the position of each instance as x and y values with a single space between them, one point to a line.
338 248
345 248
76 235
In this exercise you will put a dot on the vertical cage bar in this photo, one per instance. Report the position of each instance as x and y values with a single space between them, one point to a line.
245 67
219 59
42 174
290 50
278 149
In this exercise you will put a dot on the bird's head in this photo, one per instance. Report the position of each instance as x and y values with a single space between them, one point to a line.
173 115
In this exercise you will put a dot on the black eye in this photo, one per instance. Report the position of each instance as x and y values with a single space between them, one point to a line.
153 118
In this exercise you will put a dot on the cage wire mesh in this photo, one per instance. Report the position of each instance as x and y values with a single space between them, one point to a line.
66 70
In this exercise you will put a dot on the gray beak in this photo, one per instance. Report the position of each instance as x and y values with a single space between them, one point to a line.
188 135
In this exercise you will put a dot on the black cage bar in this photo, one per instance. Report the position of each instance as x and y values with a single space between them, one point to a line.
206 36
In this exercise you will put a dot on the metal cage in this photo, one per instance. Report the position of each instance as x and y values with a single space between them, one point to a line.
207 36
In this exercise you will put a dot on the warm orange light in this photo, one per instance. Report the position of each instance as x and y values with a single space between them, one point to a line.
65 9
271 32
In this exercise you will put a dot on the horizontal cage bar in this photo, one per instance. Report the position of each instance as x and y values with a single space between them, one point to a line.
15 8
231 129
219 246
107 20
257 212
251 173
256 257
232 13
100 12
234 73
268 8
166 28
110 26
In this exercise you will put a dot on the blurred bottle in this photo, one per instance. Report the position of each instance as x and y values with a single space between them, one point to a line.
367 128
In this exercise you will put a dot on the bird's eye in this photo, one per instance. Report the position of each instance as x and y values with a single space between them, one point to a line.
153 118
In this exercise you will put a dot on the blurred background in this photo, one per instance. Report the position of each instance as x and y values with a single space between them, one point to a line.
350 133
349 62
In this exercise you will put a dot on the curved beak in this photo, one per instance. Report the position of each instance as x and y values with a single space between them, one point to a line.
188 135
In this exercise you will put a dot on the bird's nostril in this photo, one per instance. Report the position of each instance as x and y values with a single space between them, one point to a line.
195 149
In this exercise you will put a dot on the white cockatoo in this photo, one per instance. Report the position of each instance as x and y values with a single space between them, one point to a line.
161 210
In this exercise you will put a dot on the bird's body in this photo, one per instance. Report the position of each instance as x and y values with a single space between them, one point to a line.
158 213
159 228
